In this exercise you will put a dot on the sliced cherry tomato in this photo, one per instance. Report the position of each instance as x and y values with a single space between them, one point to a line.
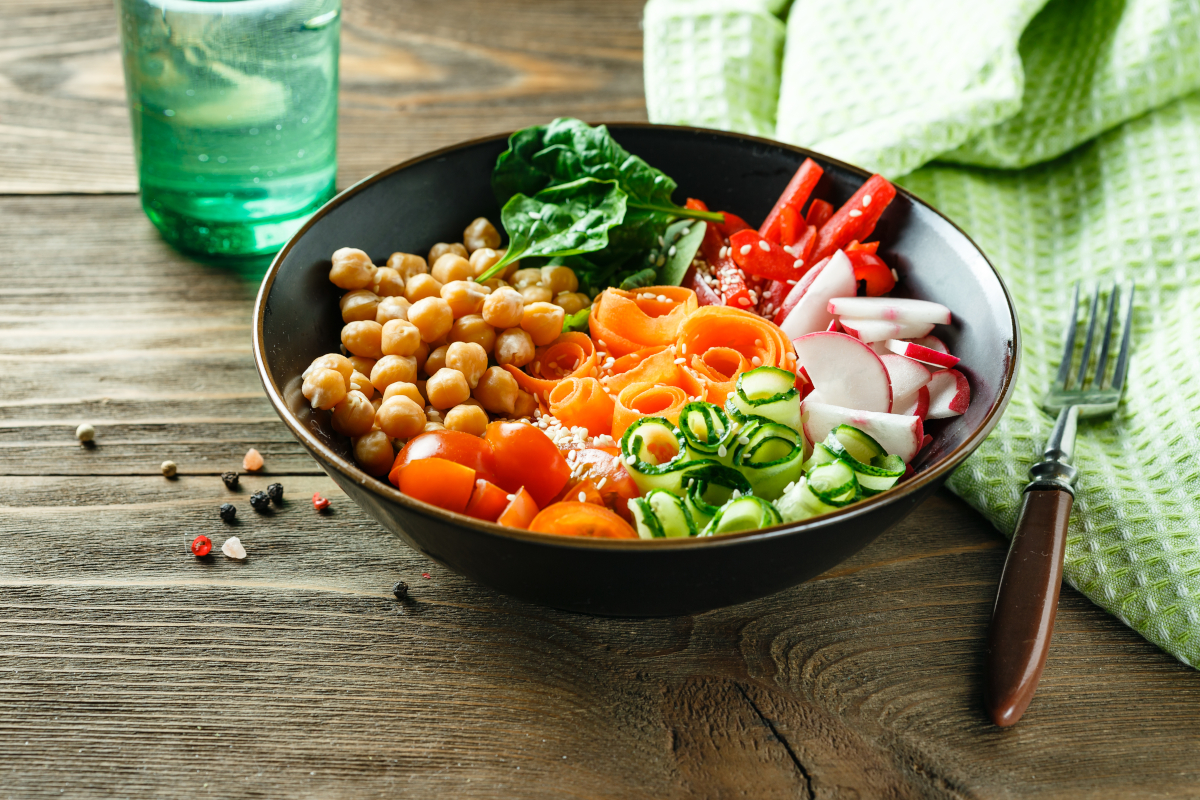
603 465
871 268
520 512
756 256
818 213
582 519
794 196
438 482
461 448
525 456
488 501
573 490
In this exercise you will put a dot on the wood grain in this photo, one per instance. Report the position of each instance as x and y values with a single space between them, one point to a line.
414 76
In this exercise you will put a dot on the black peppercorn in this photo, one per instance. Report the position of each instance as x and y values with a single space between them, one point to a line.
228 512
231 480
275 492
259 501
400 590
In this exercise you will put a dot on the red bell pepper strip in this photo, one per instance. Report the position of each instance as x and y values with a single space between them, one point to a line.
808 242
732 285
867 247
871 268
818 213
794 195
733 223
856 219
773 297
756 256
791 226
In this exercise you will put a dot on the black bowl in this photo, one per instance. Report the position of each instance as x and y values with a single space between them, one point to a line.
432 198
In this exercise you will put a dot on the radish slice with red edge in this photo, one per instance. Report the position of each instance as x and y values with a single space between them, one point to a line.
899 435
932 342
949 394
895 309
809 301
923 354
845 371
879 330
915 405
905 375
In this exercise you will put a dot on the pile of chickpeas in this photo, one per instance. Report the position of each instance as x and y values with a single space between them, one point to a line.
424 347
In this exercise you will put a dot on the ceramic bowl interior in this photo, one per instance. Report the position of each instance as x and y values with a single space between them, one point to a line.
432 198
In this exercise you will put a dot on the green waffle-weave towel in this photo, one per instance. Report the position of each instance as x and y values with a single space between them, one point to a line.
1065 139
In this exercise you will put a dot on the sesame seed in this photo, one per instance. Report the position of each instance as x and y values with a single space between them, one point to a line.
583 497
662 298
744 301
736 494
866 200
681 361
791 282
721 451
758 342
661 260
672 251
798 263
762 245
854 212
600 483
683 348
745 249
511 497
630 459
743 440
756 361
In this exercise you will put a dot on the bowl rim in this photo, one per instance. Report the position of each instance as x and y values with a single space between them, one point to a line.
386 491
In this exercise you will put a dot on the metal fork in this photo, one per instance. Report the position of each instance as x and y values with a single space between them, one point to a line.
1027 600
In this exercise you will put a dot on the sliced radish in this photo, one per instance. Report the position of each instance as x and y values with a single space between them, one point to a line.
834 327
898 434
926 440
880 348
879 330
915 405
845 371
932 342
895 309
921 353
797 291
810 314
949 394
906 375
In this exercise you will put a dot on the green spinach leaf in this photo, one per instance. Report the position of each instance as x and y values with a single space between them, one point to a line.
686 241
577 321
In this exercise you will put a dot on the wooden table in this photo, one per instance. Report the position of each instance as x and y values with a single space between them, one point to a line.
128 668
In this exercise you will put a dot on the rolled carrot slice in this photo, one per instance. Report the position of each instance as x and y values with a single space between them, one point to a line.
647 400
582 519
583 403
758 341
648 317
658 367
718 368
572 355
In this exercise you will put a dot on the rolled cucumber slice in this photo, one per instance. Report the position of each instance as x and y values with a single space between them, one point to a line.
799 503
820 455
656 455
768 392
707 431
834 484
662 515
770 455
876 470
710 487
746 513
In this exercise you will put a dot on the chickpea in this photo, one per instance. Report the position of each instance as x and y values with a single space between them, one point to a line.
359 382
572 302
481 233
446 388
544 322
452 267
400 418
467 418
402 389
400 338
374 453
433 318
421 286
441 248
436 360
497 391
352 269
431 426
536 294
420 384
324 388
504 308
465 297
483 259
362 338
559 279
359 305
525 405
388 282
514 346
335 361
390 369
422 354
526 277
354 416
407 265
468 358
494 283
360 364
472 328
391 308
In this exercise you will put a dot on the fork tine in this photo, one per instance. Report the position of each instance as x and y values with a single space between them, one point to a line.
1113 300
1123 358
1064 366
1089 337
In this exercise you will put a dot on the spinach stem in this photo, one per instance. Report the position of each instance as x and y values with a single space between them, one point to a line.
679 211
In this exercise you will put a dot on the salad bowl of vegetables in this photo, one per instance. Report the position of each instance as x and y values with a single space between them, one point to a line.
637 370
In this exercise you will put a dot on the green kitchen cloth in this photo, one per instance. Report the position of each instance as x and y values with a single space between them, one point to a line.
1100 87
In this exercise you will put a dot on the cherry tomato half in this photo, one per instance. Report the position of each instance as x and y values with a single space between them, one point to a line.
520 512
582 519
461 448
488 501
438 482
525 456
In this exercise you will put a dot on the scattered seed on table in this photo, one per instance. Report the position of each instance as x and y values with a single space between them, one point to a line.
253 460
228 512
275 492
319 503
85 433
259 501
201 545
169 469
400 590
231 479
233 548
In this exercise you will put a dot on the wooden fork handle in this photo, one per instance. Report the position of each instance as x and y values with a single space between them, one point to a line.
1026 604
